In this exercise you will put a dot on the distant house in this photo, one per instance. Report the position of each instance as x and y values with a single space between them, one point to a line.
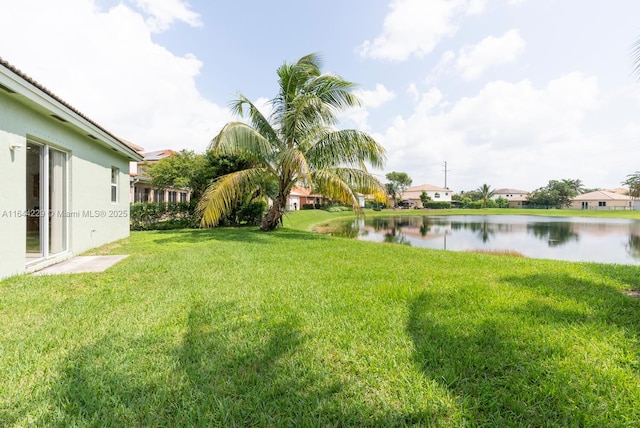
517 198
620 190
64 178
437 194
302 197
602 200
141 189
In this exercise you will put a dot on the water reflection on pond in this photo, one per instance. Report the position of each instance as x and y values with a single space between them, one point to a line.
573 239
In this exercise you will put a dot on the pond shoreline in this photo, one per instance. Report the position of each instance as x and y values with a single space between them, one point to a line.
569 238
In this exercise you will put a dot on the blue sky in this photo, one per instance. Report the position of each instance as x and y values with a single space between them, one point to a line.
512 93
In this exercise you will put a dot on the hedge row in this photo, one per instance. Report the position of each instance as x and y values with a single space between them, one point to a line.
162 215
181 215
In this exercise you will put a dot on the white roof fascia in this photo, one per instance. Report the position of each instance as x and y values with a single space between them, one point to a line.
32 93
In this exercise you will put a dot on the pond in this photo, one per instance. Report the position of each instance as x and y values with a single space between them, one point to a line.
571 239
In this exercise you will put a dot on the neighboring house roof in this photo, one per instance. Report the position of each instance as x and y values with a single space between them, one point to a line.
510 192
426 188
149 158
14 81
619 190
303 191
158 155
133 146
602 195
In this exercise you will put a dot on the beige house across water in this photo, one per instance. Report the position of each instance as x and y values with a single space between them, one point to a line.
603 200
437 194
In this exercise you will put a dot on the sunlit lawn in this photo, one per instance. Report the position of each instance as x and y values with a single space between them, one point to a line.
235 327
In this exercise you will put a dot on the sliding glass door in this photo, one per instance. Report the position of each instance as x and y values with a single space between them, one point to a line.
46 201
34 201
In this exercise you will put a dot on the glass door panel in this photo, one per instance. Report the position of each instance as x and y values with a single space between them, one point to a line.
46 201
34 201
57 201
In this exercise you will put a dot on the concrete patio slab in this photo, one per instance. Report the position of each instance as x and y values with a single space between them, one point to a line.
81 264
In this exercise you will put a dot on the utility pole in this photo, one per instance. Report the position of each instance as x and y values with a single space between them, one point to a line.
445 174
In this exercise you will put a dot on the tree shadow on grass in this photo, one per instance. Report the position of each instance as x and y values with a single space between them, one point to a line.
507 368
248 234
602 303
628 276
223 373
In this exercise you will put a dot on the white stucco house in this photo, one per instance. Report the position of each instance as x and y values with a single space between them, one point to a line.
516 198
65 179
437 194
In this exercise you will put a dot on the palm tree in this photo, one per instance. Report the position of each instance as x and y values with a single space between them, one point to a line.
576 185
485 194
633 181
296 145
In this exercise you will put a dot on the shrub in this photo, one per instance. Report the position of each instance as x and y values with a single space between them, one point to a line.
439 205
502 202
251 213
465 202
491 204
181 215
172 215
311 206
374 204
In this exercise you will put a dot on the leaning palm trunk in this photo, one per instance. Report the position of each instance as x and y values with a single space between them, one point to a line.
273 218
297 145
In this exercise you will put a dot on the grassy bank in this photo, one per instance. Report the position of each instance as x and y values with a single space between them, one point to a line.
237 327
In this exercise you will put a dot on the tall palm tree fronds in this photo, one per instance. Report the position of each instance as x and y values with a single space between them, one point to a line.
633 181
296 145
485 194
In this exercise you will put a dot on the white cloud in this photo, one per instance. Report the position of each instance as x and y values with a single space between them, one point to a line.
513 135
264 106
107 66
375 98
413 91
163 13
414 27
491 51
370 99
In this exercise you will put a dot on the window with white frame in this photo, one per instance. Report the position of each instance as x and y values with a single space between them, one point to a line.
115 173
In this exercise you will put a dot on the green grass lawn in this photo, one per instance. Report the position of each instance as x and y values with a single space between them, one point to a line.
235 327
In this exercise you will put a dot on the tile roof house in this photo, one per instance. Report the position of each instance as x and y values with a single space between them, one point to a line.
65 178
517 198
602 200
437 194
141 189
302 196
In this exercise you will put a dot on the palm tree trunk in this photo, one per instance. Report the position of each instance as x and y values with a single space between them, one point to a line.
273 218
